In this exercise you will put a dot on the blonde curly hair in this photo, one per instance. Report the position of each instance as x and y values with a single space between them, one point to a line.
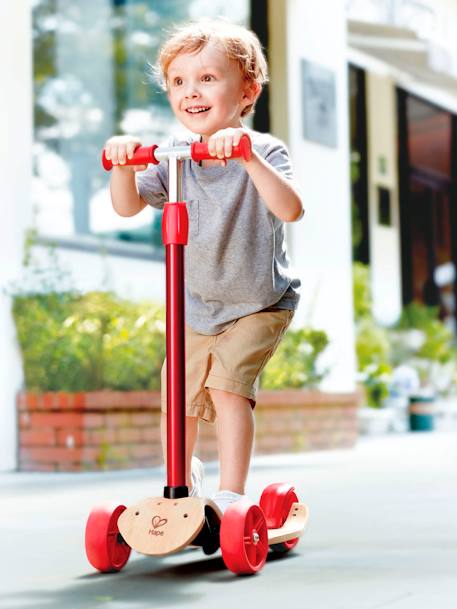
239 43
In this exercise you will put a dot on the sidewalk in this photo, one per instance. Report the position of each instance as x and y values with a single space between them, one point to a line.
382 533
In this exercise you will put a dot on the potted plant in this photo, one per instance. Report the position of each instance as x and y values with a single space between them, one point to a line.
426 344
372 351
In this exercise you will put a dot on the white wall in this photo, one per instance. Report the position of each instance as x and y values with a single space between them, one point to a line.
321 241
385 255
15 183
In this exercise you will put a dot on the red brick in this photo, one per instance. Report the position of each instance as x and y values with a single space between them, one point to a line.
117 453
33 466
149 434
63 400
140 451
96 400
32 401
71 437
139 419
21 401
48 401
52 454
91 453
117 420
55 419
37 437
92 420
128 435
24 420
70 467
100 436
79 400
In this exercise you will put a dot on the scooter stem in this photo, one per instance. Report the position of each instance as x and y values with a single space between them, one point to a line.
175 229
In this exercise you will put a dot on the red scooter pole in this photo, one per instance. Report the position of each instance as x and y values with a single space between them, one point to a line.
175 229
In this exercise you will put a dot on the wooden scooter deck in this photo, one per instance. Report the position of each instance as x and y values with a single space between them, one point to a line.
293 526
157 526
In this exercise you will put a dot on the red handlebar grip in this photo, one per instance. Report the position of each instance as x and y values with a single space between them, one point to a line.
143 155
199 151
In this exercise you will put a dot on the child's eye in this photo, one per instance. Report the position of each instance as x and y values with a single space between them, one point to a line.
177 81
208 77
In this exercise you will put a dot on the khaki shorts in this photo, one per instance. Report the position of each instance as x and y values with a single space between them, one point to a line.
231 360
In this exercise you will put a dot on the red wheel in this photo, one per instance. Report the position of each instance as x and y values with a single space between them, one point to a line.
244 538
276 501
105 548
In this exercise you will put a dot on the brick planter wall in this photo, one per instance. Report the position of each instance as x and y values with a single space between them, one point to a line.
117 430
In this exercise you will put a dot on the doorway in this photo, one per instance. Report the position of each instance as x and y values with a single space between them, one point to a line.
428 209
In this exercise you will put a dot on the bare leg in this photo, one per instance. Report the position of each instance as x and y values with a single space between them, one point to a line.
235 438
191 437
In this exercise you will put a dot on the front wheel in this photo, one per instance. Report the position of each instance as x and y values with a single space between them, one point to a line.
106 549
244 538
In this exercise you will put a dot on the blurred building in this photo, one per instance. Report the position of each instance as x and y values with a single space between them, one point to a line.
403 103
363 92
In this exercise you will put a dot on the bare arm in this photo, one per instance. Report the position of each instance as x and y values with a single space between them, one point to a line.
125 198
276 191
278 194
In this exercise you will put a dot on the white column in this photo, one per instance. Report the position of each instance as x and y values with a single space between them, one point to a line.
321 241
15 198
385 255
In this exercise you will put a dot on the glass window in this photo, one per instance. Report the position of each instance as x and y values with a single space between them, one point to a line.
91 81
358 169
429 137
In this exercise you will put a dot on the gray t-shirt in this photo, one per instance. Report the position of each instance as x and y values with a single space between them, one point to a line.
235 260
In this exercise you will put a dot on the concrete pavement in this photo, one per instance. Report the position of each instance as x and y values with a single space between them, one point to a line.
382 534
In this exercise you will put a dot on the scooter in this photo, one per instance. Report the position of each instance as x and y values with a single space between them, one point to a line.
163 525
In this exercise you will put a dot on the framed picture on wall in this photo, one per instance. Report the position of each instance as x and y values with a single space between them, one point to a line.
319 104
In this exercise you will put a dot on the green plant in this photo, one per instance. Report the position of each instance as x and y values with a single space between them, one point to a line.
361 291
376 381
75 342
424 342
439 343
295 362
372 344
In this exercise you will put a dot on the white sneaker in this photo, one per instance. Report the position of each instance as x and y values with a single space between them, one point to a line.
225 498
197 478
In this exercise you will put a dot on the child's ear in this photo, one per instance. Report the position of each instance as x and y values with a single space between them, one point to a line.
252 91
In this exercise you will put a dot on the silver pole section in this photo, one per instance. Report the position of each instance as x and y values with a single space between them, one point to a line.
181 152
174 179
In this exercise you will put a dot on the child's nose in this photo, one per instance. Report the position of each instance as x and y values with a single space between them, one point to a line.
192 91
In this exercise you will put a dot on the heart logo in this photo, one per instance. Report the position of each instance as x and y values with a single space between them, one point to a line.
157 522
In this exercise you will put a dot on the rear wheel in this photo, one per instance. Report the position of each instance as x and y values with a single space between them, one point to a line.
276 501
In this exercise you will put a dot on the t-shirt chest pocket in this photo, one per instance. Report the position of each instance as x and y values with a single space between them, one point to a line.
192 210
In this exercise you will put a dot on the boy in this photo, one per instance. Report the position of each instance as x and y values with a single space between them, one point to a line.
240 298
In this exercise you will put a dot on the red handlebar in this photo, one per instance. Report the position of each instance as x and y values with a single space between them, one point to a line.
144 155
244 149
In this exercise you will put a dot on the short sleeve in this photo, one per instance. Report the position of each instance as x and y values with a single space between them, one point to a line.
277 155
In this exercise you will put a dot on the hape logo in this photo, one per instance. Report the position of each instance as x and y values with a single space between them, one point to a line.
157 522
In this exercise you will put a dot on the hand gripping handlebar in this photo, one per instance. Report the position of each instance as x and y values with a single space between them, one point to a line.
197 151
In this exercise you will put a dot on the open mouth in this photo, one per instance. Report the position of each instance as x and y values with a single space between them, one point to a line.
197 110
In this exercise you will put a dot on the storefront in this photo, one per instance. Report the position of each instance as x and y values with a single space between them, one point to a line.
404 151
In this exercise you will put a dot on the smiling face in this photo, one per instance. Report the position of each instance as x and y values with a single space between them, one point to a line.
206 90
